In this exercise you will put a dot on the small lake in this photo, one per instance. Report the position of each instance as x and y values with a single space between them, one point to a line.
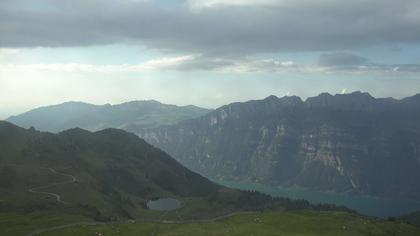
371 206
164 204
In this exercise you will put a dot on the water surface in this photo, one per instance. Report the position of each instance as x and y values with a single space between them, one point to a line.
164 204
372 206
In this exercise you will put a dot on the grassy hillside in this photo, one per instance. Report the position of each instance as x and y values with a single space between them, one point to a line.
18 223
116 173
296 223
412 218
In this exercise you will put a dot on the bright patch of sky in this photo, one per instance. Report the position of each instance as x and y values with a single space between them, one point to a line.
108 54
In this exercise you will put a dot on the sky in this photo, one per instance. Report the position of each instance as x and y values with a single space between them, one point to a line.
204 52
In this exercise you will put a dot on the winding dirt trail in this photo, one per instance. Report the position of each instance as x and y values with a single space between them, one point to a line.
52 170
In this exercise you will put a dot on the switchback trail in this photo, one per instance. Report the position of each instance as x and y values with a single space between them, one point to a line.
52 170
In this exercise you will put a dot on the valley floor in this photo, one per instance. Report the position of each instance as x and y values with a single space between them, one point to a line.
295 223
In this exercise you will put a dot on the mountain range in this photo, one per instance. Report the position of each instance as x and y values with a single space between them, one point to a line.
351 143
130 116
346 143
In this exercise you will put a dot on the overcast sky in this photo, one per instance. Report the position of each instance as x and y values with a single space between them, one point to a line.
204 52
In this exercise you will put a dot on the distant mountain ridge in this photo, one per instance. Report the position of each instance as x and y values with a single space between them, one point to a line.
344 143
128 116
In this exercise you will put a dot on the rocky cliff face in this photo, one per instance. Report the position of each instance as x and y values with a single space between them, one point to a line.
343 143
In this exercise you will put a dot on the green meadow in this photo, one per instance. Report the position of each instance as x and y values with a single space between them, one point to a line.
293 223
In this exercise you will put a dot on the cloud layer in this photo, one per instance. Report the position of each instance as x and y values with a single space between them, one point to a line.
327 63
219 28
156 64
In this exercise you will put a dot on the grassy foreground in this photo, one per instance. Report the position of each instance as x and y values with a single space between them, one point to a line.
297 223
19 224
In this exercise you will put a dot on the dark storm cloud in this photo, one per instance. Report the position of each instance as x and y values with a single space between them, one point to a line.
225 30
341 59
329 62
354 63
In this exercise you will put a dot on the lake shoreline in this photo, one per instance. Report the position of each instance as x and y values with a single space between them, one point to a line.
366 205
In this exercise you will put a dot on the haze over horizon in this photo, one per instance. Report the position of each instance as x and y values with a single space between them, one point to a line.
203 52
